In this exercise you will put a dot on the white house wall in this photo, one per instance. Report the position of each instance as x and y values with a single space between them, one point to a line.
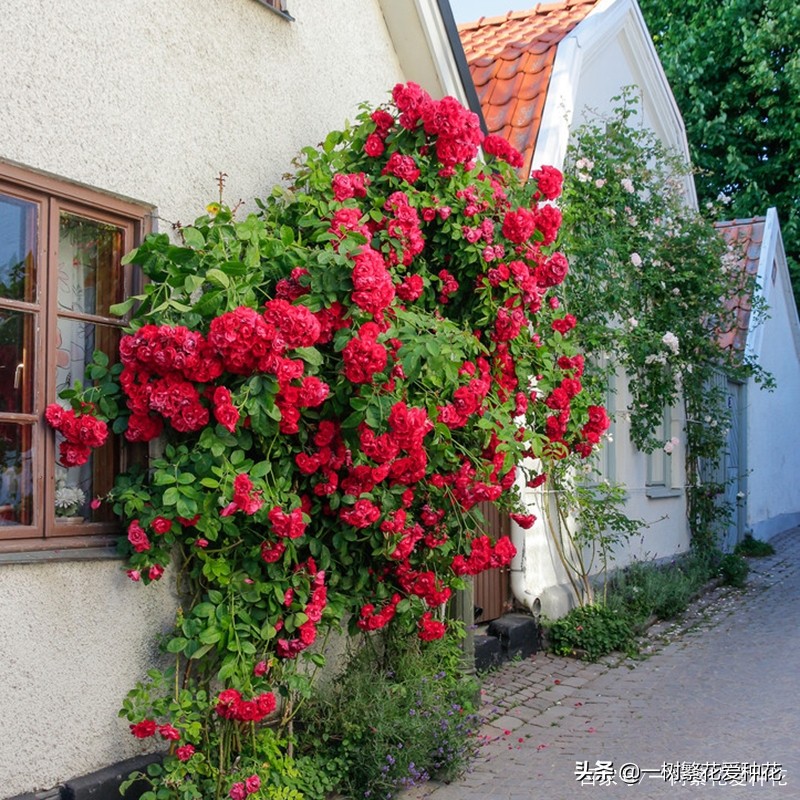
606 52
74 638
773 432
539 579
148 100
610 50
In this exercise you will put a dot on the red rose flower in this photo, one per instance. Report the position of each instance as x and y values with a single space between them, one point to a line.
144 729
361 515
401 166
548 182
519 225
364 356
161 525
73 455
374 145
137 537
411 288
567 323
169 733
185 752
430 629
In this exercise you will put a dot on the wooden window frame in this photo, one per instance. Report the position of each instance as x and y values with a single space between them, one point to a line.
54 196
659 463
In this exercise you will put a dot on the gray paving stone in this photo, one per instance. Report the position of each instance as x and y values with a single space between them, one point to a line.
718 686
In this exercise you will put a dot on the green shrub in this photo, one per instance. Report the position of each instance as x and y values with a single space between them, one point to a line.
590 631
733 570
394 719
753 548
644 590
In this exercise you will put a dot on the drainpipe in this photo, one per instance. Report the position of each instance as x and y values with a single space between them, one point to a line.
519 537
464 610
519 588
517 569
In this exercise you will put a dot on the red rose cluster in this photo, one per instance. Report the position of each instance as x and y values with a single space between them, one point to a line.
242 789
485 555
163 366
410 264
318 599
146 728
230 705
82 432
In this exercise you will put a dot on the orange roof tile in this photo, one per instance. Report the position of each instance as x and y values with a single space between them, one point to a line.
511 58
745 237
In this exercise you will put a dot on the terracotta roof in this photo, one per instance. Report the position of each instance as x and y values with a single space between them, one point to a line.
511 58
745 236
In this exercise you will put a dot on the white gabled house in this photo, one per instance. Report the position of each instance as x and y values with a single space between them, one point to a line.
539 75
763 453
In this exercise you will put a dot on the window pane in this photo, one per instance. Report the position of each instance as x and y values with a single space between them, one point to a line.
18 249
17 350
89 271
16 475
76 487
77 341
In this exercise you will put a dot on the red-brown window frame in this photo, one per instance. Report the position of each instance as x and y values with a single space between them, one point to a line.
53 196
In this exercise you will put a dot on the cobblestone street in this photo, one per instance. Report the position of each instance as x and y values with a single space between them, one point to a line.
720 686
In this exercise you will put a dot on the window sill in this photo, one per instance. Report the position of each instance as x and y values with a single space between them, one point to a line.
659 492
44 551
285 14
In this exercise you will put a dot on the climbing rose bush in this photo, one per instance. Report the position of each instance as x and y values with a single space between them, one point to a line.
336 385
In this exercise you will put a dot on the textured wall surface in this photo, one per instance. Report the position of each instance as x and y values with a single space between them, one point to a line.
152 100
148 100
74 638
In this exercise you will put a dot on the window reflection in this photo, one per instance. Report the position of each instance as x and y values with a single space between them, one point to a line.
16 361
18 249
89 274
76 487
16 471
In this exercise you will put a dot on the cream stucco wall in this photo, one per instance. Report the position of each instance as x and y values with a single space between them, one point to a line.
150 100
74 637
540 580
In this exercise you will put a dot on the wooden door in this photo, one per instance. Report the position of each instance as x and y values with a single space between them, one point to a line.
492 587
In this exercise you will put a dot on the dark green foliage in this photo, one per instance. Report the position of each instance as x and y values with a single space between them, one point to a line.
590 631
733 570
392 719
734 67
644 590
753 548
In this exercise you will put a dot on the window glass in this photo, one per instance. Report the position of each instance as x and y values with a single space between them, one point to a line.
89 275
18 222
17 361
61 247
16 475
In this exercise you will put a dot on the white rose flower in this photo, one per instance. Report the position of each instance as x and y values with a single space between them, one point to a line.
671 341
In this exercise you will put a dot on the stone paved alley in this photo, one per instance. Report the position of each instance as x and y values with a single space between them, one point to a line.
718 687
